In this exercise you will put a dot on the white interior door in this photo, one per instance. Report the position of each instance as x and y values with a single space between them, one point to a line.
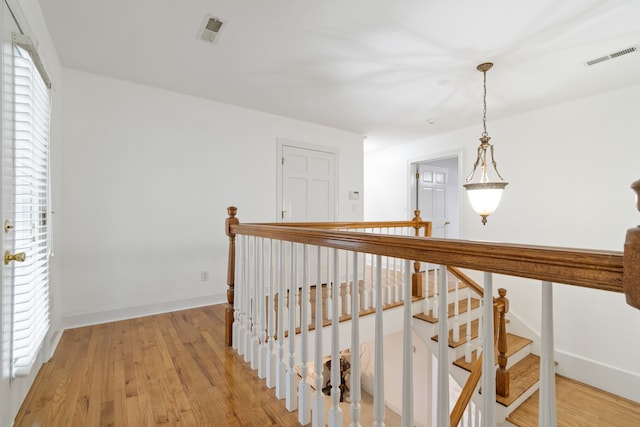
308 184
432 197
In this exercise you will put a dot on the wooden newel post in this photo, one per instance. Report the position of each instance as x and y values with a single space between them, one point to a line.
631 261
231 273
502 375
416 277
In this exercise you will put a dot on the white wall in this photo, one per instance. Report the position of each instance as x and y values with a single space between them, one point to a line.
393 359
29 16
148 175
569 169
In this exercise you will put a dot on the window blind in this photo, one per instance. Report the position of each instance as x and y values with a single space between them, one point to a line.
32 231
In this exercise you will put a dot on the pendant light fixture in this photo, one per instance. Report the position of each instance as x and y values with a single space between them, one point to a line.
485 195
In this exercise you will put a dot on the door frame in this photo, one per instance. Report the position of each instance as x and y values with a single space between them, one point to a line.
280 143
412 168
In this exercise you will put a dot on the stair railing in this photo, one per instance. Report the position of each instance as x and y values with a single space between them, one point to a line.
501 308
605 270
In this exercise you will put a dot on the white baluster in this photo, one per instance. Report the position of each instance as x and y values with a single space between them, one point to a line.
262 347
388 299
337 297
355 350
292 377
488 358
237 294
407 354
238 337
329 304
298 302
547 403
286 294
375 294
476 417
378 388
366 297
436 299
456 312
255 312
318 397
426 303
467 345
398 294
308 319
245 331
304 388
281 365
271 328
335 412
347 287
248 339
242 331
443 350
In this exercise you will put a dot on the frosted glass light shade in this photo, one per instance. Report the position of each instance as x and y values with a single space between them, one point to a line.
485 197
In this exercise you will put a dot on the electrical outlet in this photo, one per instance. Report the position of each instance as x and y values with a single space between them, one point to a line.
204 276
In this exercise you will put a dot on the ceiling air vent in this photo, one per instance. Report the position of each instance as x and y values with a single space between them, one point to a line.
210 29
613 55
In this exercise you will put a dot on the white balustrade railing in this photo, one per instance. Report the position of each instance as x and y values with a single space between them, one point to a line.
274 284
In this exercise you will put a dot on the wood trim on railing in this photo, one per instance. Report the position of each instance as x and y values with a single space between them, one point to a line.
502 374
579 267
417 287
466 280
426 225
231 272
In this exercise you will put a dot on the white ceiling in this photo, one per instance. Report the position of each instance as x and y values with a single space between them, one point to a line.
380 68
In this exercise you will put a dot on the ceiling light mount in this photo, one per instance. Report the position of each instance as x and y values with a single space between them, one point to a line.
210 29
485 195
485 66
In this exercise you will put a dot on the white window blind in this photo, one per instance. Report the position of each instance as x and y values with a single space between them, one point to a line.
32 231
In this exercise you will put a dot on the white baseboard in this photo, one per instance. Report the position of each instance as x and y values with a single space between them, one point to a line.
597 374
98 317
53 338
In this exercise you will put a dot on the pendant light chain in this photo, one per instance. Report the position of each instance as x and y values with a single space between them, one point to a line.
484 109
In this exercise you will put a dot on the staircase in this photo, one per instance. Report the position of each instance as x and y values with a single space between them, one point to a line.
522 365
577 403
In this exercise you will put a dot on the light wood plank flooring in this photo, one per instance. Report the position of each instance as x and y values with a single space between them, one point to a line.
173 369
579 404
170 369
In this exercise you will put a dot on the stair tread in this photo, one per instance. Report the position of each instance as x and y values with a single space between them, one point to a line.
462 308
580 404
522 376
515 343
463 334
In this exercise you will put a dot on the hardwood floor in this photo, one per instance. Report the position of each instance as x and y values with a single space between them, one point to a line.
579 404
169 369
173 369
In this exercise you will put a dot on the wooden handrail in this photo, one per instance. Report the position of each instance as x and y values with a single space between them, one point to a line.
466 280
467 392
425 225
579 267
